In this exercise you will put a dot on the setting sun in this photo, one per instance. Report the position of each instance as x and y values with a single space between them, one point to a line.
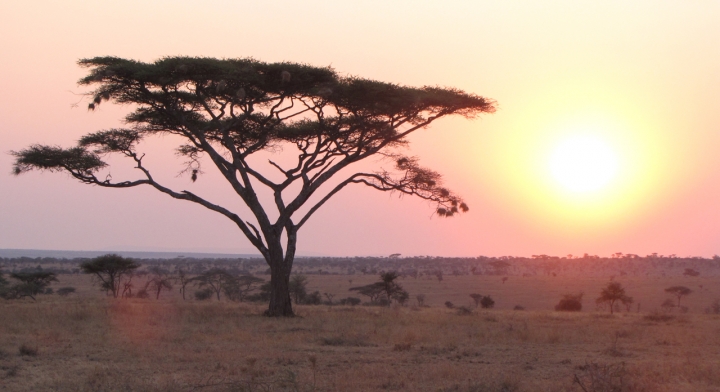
583 164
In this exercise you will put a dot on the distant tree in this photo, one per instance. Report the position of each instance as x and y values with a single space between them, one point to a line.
229 111
298 288
420 300
679 292
476 297
570 303
65 291
239 288
110 270
612 293
449 305
214 279
439 275
159 280
384 291
30 284
183 279
487 302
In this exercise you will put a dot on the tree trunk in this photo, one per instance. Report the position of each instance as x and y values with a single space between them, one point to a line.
280 304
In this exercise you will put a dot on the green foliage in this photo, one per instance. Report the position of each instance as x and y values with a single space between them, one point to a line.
110 270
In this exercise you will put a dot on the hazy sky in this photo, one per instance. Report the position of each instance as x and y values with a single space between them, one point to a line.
638 82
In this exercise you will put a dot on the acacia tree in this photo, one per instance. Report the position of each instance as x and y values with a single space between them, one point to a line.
110 270
227 111
613 293
679 292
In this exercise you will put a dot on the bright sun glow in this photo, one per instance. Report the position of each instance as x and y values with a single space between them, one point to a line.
583 164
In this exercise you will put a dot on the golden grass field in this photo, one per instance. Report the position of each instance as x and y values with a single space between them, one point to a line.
87 342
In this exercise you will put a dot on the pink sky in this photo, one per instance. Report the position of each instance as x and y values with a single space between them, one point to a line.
643 75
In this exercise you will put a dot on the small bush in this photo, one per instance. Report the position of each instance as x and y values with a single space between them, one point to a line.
65 291
203 295
658 317
449 305
714 308
142 294
464 311
352 301
519 307
27 350
402 347
313 298
49 291
487 302
570 303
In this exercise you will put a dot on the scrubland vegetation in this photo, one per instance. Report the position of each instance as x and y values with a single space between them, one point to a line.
87 340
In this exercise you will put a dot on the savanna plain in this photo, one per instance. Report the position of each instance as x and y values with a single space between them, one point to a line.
88 341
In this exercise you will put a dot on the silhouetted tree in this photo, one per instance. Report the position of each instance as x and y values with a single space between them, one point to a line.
30 284
109 270
183 279
613 293
225 111
384 291
159 280
679 292
214 279
239 288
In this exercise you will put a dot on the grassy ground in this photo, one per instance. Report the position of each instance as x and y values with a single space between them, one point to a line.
91 343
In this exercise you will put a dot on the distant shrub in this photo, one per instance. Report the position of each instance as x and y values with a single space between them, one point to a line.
142 293
658 317
204 294
464 311
420 300
49 291
352 301
668 305
65 291
27 350
487 302
714 308
519 307
313 298
570 303
449 305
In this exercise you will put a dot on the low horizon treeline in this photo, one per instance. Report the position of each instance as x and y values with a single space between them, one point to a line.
618 264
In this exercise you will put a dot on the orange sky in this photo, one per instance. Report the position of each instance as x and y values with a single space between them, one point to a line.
643 76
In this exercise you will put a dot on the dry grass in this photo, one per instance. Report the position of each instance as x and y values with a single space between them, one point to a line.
99 344
86 342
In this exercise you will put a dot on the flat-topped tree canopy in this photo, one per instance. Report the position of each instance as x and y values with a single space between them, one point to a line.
229 109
